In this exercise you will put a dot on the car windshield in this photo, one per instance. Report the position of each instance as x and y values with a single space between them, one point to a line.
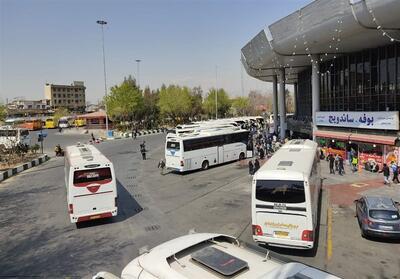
389 215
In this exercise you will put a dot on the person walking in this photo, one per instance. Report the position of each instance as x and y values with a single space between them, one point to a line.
256 165
354 163
161 166
251 167
143 150
386 174
331 160
337 162
93 138
262 153
395 171
341 165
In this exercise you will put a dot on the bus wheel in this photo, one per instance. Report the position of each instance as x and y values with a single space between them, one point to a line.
204 165
241 156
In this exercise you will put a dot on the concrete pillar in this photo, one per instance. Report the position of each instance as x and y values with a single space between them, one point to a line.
282 103
315 90
275 101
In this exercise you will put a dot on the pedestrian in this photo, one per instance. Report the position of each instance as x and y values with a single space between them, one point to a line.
161 166
337 162
354 163
143 150
93 138
251 167
341 165
262 153
331 160
136 132
395 170
386 174
256 165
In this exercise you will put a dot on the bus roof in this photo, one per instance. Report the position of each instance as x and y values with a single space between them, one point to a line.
292 161
207 132
80 154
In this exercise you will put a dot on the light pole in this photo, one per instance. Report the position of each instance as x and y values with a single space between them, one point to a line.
102 23
138 71
216 92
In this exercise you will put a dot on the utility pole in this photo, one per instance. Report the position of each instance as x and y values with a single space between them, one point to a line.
102 23
138 71
216 92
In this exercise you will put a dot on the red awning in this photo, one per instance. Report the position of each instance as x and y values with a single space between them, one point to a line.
389 140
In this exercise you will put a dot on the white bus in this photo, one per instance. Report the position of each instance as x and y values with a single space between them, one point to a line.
91 184
205 148
285 197
64 122
11 137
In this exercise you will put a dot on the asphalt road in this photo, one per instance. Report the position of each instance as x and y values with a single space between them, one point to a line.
37 238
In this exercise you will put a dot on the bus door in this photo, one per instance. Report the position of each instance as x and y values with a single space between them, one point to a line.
280 210
92 191
220 154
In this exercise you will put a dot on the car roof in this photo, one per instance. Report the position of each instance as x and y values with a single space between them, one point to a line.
384 203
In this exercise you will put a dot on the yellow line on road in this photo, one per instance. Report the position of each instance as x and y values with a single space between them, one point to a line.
329 235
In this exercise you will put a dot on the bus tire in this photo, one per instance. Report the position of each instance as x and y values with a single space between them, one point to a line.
204 165
241 156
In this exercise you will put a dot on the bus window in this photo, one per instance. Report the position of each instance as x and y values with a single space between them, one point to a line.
173 145
85 177
280 191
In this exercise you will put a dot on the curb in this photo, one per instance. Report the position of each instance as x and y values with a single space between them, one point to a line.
14 171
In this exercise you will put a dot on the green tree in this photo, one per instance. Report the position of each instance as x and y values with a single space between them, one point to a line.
175 102
196 96
60 112
240 106
125 101
223 103
3 112
151 111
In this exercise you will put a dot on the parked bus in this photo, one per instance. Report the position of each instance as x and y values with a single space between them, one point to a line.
205 148
91 184
285 196
50 123
11 137
79 122
31 124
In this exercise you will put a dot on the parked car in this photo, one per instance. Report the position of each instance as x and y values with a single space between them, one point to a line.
378 216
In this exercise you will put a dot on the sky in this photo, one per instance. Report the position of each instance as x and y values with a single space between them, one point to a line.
184 42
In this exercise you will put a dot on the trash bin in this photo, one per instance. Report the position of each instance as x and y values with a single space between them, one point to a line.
110 133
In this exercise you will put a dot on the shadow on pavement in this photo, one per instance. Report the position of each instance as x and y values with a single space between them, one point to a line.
127 207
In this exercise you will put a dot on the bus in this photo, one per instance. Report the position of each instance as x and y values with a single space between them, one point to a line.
11 137
50 123
63 122
91 184
31 124
79 122
205 148
285 197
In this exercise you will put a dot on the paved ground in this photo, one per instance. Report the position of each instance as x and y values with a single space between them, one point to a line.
37 238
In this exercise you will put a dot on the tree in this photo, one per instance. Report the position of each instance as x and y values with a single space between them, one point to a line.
258 102
196 96
175 102
125 102
3 112
151 111
60 112
240 106
223 103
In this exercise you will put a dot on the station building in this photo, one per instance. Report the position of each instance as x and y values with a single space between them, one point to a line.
343 59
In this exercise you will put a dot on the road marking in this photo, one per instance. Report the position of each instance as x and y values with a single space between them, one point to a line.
329 235
359 185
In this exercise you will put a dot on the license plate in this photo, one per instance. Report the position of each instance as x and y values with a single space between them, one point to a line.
94 217
388 228
281 234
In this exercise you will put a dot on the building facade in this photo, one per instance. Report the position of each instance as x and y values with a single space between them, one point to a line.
72 97
343 59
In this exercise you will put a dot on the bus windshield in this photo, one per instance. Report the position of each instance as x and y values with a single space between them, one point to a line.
84 177
280 191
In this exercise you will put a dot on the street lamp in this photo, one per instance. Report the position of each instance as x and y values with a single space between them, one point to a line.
138 71
102 23
216 92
